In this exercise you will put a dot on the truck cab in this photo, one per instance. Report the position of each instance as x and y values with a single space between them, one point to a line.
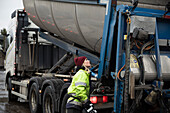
10 53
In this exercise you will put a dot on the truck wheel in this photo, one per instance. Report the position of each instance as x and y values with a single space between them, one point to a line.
11 97
34 99
64 102
49 100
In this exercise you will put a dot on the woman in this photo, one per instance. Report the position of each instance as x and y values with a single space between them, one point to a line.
80 87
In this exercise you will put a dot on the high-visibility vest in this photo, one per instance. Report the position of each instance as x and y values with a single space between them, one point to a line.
79 88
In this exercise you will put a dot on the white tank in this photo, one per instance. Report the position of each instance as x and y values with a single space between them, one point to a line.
79 23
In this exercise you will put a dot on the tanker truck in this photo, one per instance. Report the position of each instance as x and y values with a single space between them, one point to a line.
127 43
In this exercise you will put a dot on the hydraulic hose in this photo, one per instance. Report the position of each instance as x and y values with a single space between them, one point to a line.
140 60
141 65
127 68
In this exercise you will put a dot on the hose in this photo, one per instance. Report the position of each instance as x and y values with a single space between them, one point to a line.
141 66
139 94
140 60
127 68
164 107
119 73
145 45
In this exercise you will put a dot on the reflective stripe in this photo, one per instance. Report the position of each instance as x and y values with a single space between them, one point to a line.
80 71
80 83
74 102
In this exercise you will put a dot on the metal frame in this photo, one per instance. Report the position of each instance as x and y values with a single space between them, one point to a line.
19 94
107 41
78 1
106 33
70 48
108 36
19 84
118 97
158 61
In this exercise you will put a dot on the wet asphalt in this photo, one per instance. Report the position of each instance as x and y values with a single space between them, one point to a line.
10 107
14 107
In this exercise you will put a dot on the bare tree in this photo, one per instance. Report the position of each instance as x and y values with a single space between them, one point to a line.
4 34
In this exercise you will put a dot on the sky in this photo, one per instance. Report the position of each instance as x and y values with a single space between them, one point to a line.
6 8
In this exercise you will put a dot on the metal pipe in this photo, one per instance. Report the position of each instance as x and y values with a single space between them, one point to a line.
29 53
33 54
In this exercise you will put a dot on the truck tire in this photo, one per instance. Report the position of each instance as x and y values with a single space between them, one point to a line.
11 97
49 100
34 99
64 102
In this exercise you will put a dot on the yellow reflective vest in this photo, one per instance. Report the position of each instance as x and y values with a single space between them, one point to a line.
79 88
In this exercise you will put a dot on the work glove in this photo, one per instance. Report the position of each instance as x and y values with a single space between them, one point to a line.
89 107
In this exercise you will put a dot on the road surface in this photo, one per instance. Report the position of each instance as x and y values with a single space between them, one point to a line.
14 107
11 107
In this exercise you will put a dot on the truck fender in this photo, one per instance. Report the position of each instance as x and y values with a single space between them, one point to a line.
62 93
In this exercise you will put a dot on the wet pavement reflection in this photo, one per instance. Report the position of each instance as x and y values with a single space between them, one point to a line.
10 107
14 107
